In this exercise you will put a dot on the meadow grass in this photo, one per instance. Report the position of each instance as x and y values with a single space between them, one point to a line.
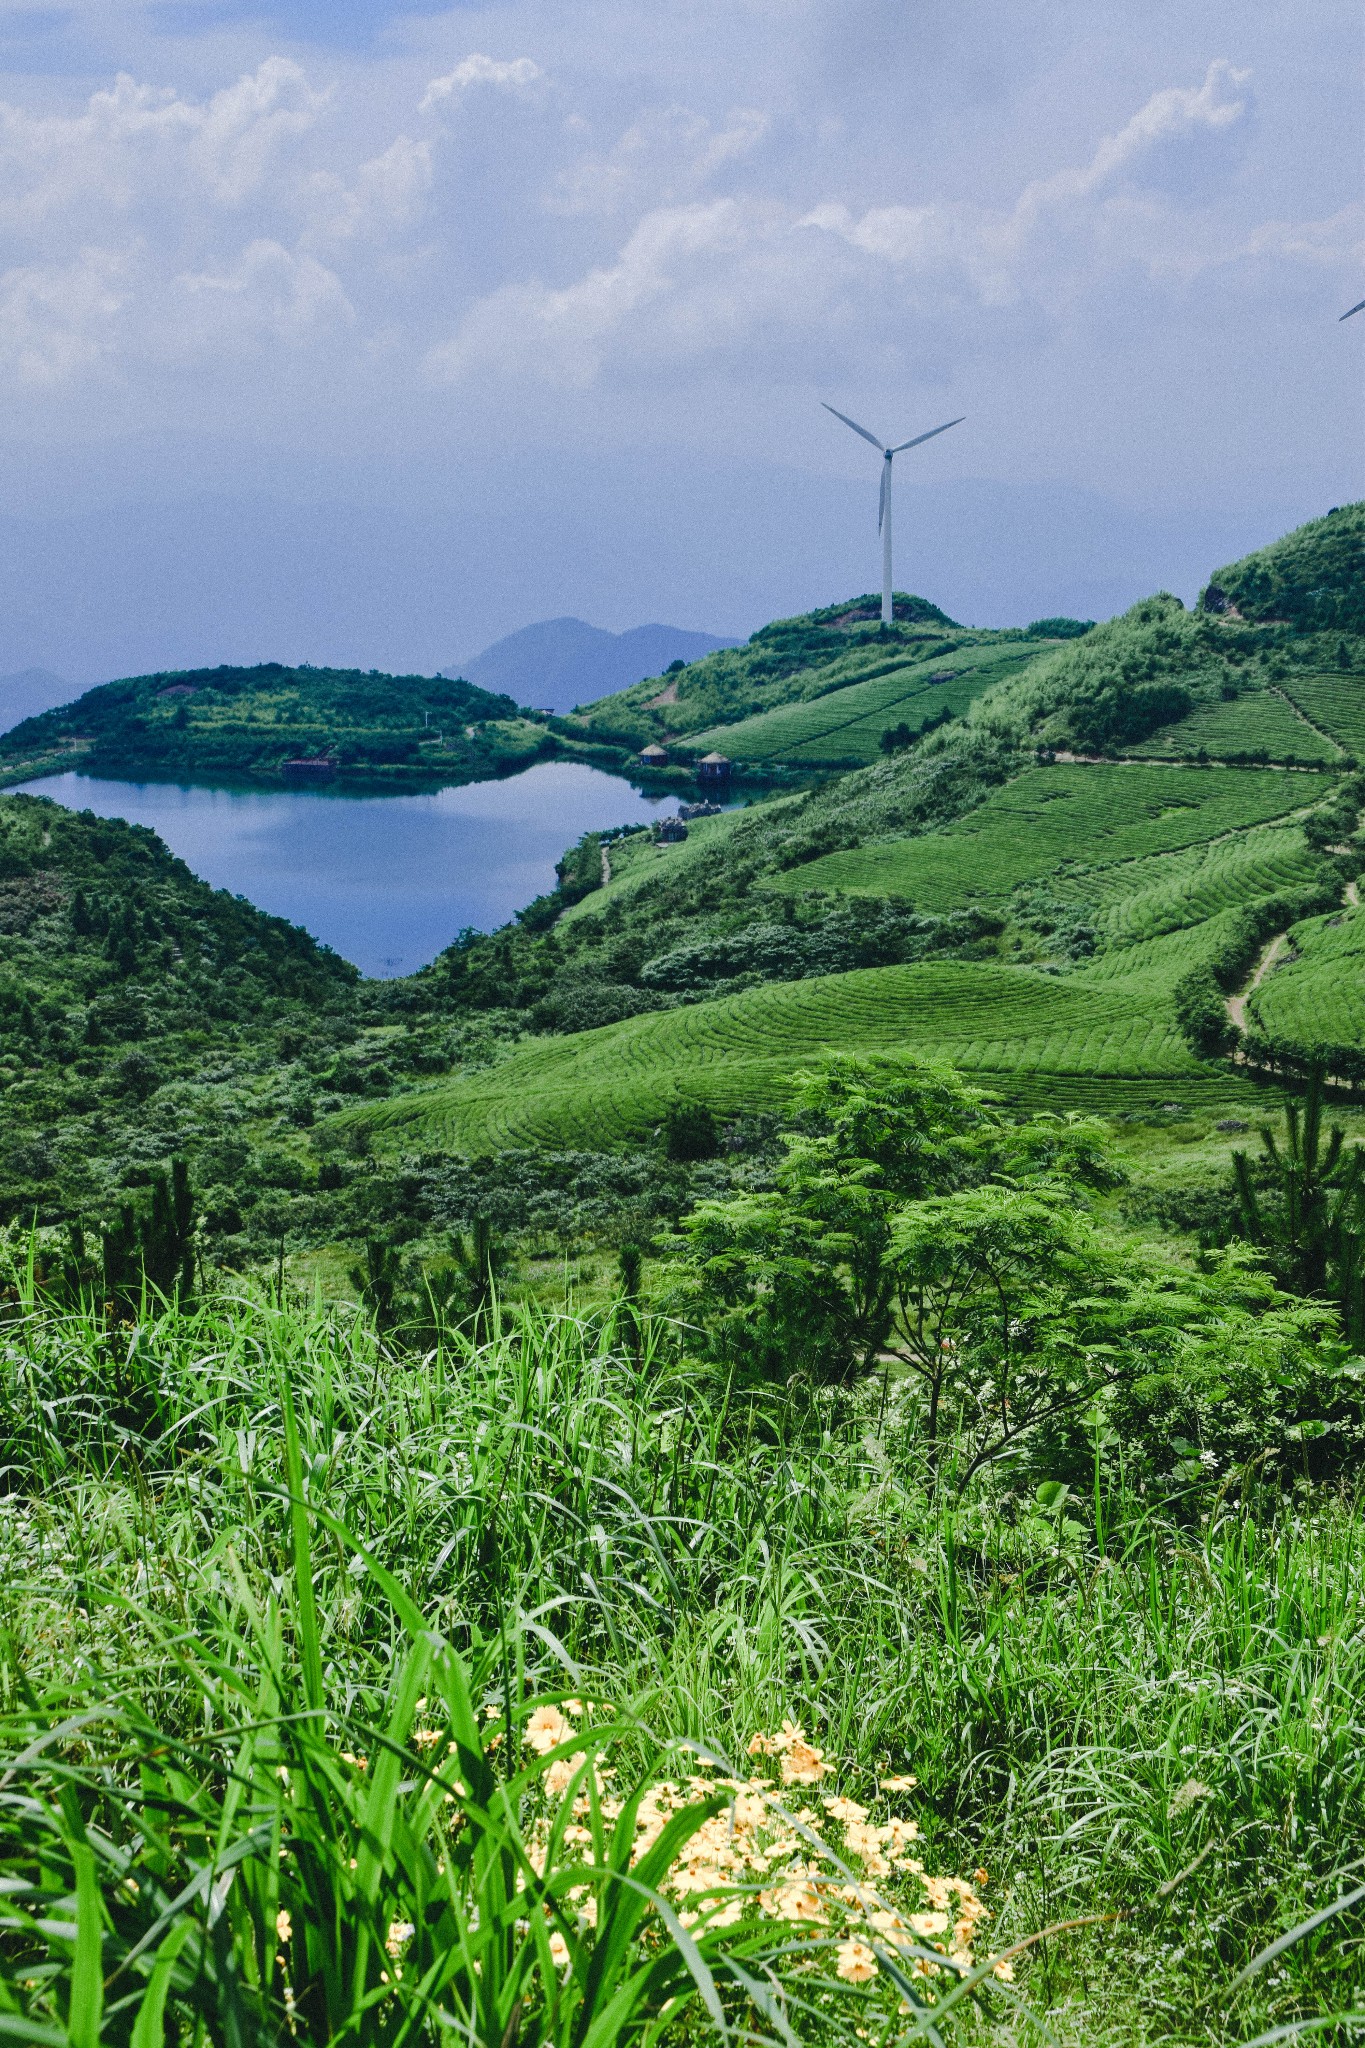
1051 821
260 1572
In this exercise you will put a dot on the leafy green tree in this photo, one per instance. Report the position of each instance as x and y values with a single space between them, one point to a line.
994 1293
798 1279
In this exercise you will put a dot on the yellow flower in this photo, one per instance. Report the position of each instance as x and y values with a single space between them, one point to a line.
901 1784
843 1809
284 1926
1004 1970
926 1925
559 1950
802 1764
545 1730
562 1773
856 1962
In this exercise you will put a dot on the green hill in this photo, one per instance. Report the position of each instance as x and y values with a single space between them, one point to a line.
248 724
1044 889
139 1008
815 691
1312 580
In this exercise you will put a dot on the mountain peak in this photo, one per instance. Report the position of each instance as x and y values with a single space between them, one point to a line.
558 663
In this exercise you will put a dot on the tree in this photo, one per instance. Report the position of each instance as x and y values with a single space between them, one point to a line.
154 1248
1311 1223
797 1279
988 1288
480 1258
376 1279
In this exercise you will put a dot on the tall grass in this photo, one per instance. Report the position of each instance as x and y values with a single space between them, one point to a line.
243 1544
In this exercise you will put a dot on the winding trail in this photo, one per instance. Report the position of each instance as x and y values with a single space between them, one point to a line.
1237 1005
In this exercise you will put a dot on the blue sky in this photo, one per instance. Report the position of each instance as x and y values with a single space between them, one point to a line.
544 299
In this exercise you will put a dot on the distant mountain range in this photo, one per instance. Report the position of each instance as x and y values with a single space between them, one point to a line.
30 691
563 662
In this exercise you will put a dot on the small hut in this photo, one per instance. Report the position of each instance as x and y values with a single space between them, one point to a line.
671 831
654 756
713 768
310 767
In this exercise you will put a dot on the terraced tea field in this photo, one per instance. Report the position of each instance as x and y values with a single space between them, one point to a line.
1319 996
1335 701
1067 1040
1164 892
1051 821
846 725
1259 719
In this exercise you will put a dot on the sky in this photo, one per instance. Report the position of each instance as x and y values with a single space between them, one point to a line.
338 331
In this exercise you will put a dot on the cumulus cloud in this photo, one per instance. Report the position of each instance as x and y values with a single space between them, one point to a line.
57 321
134 143
704 278
386 192
270 291
480 70
666 154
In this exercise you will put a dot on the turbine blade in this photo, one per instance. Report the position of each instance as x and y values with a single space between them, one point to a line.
881 501
930 435
1355 309
856 428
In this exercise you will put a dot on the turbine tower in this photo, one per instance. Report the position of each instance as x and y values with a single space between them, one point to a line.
884 508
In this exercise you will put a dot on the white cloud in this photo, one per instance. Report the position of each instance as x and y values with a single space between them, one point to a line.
480 70
387 192
701 279
56 321
136 143
270 291
666 154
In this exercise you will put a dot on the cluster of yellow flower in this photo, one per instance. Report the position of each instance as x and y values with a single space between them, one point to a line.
755 1854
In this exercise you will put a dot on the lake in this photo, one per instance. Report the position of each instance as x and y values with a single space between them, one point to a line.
386 881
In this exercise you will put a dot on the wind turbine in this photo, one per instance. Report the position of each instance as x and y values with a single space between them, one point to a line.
884 507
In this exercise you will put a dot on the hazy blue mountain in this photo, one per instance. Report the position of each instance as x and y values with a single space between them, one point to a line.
30 691
563 662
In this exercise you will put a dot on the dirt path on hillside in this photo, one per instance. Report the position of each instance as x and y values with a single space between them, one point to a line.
1237 1005
606 867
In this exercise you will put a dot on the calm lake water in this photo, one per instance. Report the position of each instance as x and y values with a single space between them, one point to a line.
387 881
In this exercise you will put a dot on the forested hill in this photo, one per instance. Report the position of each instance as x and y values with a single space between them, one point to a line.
130 994
250 724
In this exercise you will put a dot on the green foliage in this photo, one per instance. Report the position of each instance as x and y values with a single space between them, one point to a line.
689 1132
1307 1210
1312 578
245 723
245 1602
1061 628
1119 717
1202 1014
